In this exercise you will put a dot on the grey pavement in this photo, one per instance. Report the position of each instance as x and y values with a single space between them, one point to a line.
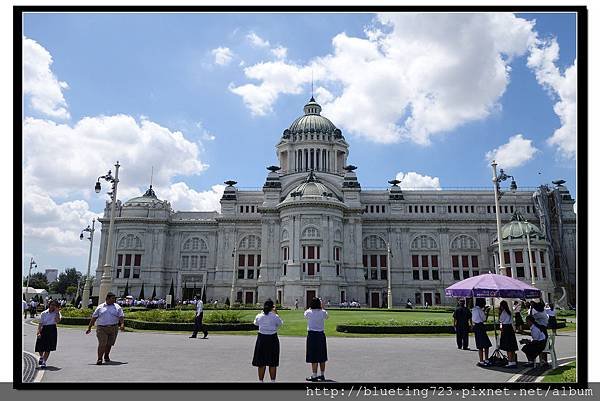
170 357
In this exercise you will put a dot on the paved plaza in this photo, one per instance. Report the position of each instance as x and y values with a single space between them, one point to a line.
170 357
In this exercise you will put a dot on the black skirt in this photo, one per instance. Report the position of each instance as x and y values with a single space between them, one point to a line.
316 347
481 338
266 350
533 349
552 322
508 340
47 341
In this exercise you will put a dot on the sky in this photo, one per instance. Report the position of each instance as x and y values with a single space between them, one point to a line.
202 98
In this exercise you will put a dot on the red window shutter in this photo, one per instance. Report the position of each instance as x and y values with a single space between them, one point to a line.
383 260
365 261
465 261
128 259
519 257
250 260
474 261
425 260
373 260
311 252
137 260
454 260
434 260
120 260
241 260
318 252
258 260
415 260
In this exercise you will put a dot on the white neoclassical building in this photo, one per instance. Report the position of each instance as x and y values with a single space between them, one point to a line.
312 231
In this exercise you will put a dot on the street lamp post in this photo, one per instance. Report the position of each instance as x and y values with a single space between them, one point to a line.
32 264
233 276
106 280
531 266
88 280
497 179
389 276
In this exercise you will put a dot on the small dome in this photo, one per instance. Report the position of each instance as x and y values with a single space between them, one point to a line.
312 122
311 189
518 228
148 197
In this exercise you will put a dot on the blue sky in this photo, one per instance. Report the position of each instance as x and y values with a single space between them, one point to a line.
205 97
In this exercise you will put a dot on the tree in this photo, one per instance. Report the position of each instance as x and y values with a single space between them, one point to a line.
69 278
37 280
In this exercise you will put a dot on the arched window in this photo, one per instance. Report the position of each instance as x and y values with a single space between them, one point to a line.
337 236
195 244
310 232
425 258
375 258
464 256
285 235
130 241
194 254
464 242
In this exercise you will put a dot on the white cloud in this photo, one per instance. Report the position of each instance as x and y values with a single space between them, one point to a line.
323 95
64 160
416 181
407 80
223 55
206 135
44 90
516 152
257 41
280 52
542 60
185 198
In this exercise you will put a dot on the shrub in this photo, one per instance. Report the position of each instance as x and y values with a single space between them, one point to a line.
74 312
224 316
161 315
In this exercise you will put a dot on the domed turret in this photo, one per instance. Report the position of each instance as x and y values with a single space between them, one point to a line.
313 122
311 189
518 228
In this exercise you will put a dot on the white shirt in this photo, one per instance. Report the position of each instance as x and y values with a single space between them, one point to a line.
48 318
550 312
267 324
316 319
478 315
505 318
537 334
517 308
108 315
199 307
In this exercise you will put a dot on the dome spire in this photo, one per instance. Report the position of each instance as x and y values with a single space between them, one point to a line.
312 107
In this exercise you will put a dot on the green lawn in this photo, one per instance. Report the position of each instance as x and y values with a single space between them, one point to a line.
562 374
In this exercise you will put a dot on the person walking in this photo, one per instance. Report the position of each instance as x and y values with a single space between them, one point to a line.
109 318
198 326
536 345
47 335
316 343
266 348
32 308
517 316
296 304
508 339
482 341
552 324
462 322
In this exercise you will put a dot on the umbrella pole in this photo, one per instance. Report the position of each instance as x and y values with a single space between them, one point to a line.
498 353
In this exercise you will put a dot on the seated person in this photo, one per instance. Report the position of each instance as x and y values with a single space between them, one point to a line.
536 345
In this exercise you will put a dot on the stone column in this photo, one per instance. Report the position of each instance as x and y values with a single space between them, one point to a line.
511 263
527 265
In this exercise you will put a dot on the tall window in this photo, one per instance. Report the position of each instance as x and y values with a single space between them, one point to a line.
249 257
129 257
194 253
375 258
311 256
285 253
425 258
464 251
337 258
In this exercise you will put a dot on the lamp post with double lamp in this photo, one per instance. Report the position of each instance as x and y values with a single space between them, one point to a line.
33 265
88 280
497 179
106 280
233 276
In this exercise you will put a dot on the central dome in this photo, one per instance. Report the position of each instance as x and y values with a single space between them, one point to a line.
312 122
519 228
311 189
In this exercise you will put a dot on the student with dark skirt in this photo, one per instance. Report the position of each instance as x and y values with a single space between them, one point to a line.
517 316
47 335
482 341
508 339
536 345
316 343
551 317
266 350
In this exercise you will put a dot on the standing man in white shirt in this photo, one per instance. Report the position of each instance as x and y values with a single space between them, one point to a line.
198 326
109 317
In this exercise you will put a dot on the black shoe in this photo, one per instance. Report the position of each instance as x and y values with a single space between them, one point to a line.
321 378
192 336
205 336
99 362
311 379
466 349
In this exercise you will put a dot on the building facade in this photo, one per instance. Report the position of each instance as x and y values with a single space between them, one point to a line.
312 231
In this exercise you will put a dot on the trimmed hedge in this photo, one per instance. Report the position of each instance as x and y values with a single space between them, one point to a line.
442 329
166 326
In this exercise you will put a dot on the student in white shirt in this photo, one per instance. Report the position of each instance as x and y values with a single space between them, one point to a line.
508 339
549 309
108 316
517 306
198 326
266 349
536 345
482 341
316 343
46 333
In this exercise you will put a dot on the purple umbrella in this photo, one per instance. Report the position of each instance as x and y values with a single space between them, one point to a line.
492 286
